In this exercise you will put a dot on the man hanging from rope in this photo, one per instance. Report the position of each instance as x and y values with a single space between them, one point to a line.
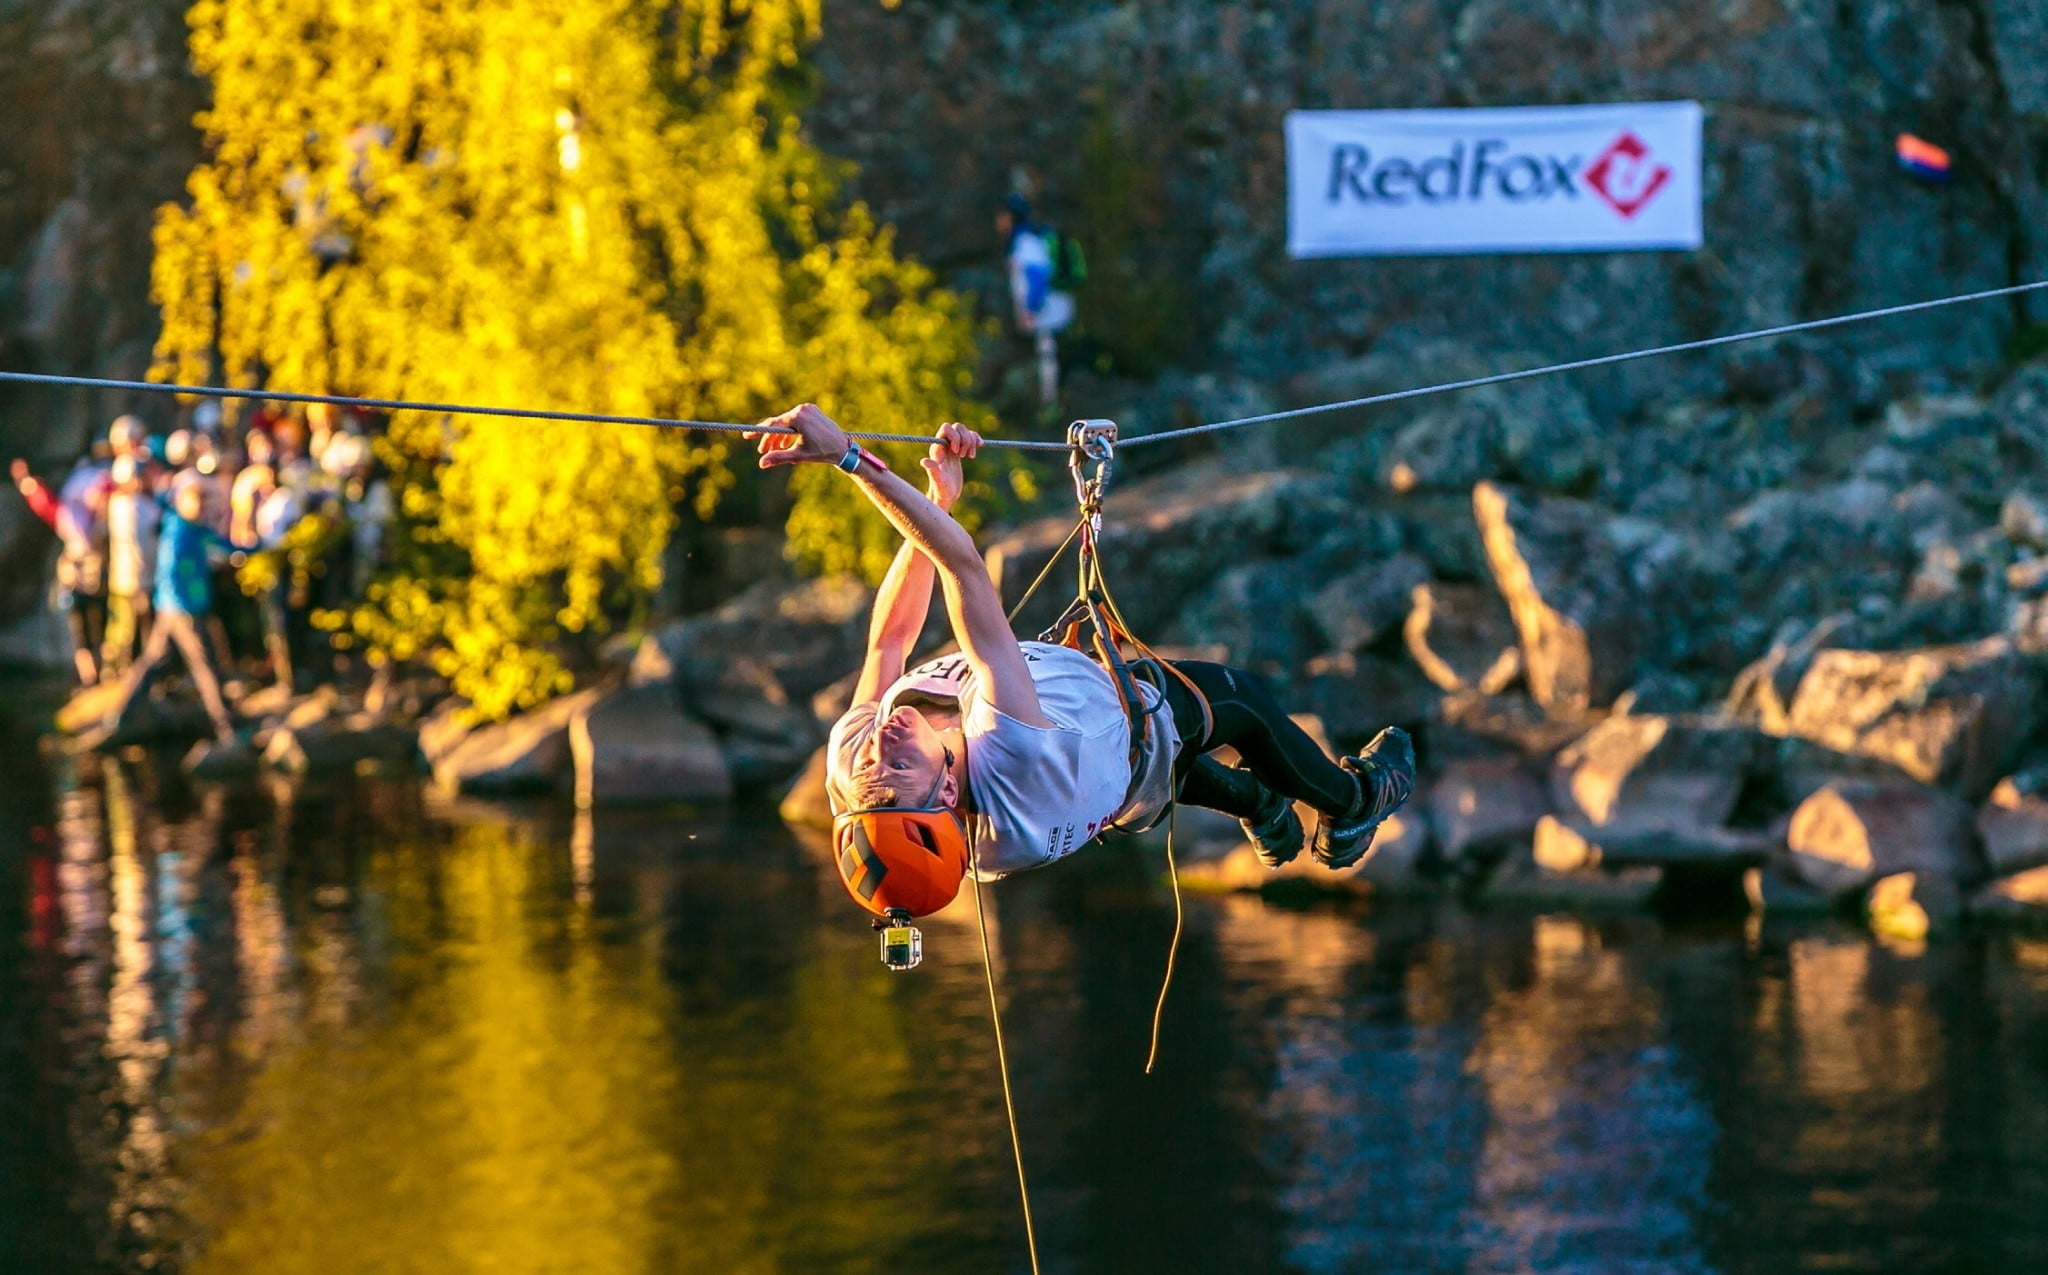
1027 744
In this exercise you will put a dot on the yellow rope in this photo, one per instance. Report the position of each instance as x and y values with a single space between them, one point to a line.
1172 949
1172 869
1003 1063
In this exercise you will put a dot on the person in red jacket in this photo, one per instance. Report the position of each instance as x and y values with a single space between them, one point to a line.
77 515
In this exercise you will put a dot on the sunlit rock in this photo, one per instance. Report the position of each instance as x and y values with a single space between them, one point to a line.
2022 897
1850 833
528 753
1479 807
1580 583
2013 825
1364 605
1462 637
1566 844
1953 715
1913 905
636 745
1651 771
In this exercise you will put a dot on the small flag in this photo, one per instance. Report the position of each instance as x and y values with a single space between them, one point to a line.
1923 158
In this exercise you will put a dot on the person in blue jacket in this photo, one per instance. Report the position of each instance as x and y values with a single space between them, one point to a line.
186 551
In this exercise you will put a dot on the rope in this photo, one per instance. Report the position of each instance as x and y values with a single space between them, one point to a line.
465 409
1044 573
995 1015
660 422
1172 948
1604 360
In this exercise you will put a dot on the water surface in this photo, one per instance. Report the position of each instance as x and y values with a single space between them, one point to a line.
349 1027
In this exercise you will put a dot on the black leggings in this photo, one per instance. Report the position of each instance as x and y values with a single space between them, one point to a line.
1278 755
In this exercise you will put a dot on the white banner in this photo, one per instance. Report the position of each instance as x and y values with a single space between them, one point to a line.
1519 179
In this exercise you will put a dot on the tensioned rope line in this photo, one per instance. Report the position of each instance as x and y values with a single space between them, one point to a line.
1580 364
466 409
593 418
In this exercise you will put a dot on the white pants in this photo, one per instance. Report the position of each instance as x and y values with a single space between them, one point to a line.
1045 328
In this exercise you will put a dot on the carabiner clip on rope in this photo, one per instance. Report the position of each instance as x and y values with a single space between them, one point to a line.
1091 441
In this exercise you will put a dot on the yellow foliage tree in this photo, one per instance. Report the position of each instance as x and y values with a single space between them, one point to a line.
601 205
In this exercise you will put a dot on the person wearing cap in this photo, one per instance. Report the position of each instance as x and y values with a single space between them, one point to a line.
1022 750
1041 311
132 516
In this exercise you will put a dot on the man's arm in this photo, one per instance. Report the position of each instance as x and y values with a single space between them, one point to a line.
905 596
901 604
972 604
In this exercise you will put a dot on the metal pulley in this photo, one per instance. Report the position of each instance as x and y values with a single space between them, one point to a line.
1091 442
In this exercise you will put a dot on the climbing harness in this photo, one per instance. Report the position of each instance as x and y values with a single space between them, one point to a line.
1093 442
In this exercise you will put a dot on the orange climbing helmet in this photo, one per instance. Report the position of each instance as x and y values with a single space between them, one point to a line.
893 857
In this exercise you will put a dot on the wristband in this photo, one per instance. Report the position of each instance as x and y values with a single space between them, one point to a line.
851 461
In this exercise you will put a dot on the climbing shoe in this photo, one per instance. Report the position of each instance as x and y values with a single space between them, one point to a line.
1276 833
1386 779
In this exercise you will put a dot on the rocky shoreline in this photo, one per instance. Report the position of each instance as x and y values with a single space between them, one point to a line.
1636 678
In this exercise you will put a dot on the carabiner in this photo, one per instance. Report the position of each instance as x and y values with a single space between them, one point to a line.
1091 440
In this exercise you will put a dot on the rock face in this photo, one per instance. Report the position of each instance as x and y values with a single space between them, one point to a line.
1950 715
529 753
795 639
77 195
636 745
1462 638
1655 772
1360 607
2022 897
806 804
1481 806
1565 844
2013 826
1357 695
1806 211
1912 905
335 742
1849 834
1582 587
1191 554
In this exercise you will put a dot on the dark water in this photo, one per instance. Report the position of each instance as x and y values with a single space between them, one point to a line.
346 1029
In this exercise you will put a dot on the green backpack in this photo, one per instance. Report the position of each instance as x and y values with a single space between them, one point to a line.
1069 263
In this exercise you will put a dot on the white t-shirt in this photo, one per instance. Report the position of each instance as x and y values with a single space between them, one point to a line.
1031 269
1037 793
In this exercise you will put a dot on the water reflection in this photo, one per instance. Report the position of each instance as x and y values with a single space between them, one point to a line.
293 1028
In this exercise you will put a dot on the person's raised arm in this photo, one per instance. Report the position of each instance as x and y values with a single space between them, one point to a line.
41 501
905 595
972 604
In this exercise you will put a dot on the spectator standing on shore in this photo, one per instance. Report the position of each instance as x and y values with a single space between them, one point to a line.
252 484
1041 309
184 598
132 516
76 514
280 509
